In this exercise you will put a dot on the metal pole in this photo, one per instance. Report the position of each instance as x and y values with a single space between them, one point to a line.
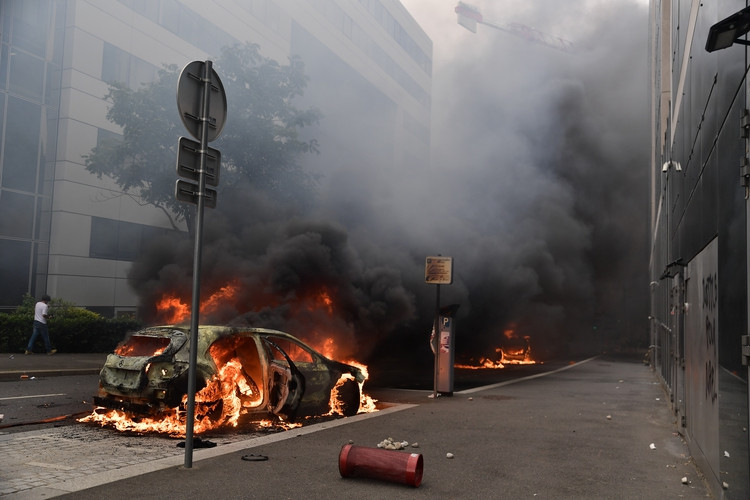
436 341
195 306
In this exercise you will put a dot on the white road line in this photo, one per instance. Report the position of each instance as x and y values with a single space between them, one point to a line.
514 381
34 396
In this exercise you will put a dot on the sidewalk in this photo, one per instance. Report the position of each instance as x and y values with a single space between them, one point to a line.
597 429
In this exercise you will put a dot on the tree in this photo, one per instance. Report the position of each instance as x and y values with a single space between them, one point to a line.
260 143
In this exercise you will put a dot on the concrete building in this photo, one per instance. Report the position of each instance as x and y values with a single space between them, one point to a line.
699 252
64 231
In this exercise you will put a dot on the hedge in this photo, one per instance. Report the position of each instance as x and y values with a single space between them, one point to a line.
71 329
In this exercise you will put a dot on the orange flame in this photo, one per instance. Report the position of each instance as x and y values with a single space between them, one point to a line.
173 310
519 354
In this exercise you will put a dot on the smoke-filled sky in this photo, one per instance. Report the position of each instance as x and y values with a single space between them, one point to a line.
540 171
538 189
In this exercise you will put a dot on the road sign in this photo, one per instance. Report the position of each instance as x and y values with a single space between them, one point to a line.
438 270
190 192
190 98
189 161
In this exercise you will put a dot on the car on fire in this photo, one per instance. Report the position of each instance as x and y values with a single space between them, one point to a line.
266 372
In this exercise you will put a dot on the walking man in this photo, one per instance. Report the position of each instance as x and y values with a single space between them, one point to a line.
41 314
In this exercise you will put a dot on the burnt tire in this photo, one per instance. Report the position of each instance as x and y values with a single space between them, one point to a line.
348 398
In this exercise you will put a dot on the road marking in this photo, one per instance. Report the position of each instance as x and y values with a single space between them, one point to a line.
522 379
34 396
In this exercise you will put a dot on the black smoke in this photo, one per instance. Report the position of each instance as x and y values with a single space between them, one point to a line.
538 189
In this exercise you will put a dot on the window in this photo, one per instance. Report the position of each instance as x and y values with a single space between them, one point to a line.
123 67
19 165
15 262
18 214
26 75
120 240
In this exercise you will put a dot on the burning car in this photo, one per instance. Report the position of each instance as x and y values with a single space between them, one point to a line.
239 372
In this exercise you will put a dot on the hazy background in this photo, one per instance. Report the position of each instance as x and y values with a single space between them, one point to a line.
538 189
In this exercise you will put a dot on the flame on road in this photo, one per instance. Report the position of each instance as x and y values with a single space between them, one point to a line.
518 354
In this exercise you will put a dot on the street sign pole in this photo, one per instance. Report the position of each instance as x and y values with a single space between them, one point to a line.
195 306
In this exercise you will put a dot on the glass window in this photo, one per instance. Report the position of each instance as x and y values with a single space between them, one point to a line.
105 137
26 75
15 262
18 214
4 56
119 240
19 164
116 65
128 240
123 67
30 23
103 244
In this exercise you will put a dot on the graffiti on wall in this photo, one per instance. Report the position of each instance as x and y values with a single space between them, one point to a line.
710 299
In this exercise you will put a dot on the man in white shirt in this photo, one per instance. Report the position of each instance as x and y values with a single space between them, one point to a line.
41 314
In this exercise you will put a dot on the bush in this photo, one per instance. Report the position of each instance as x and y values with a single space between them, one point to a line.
71 328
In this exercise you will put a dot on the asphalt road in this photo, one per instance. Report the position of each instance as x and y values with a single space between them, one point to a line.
36 401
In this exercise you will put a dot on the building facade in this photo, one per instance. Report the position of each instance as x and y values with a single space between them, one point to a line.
66 232
699 252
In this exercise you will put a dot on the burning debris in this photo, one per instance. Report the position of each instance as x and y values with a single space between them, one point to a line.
516 350
244 374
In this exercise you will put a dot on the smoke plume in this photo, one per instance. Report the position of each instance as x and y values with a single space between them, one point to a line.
538 189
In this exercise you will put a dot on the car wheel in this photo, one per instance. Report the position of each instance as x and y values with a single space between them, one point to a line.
348 398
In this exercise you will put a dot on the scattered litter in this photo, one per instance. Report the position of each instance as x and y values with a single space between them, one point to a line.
449 455
32 378
433 395
652 446
351 441
609 417
685 480
12 357
390 444
725 485
726 453
24 376
471 399
1 417
254 458
415 445
658 399
198 443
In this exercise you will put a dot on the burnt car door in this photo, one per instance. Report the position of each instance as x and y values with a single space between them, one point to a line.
319 378
286 383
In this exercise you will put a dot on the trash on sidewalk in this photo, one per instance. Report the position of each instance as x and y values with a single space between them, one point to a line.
652 446
391 444
378 463
198 443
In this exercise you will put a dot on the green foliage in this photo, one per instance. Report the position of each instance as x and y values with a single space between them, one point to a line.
260 142
71 328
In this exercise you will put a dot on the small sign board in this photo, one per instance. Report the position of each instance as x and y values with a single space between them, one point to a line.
438 270
189 161
188 192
